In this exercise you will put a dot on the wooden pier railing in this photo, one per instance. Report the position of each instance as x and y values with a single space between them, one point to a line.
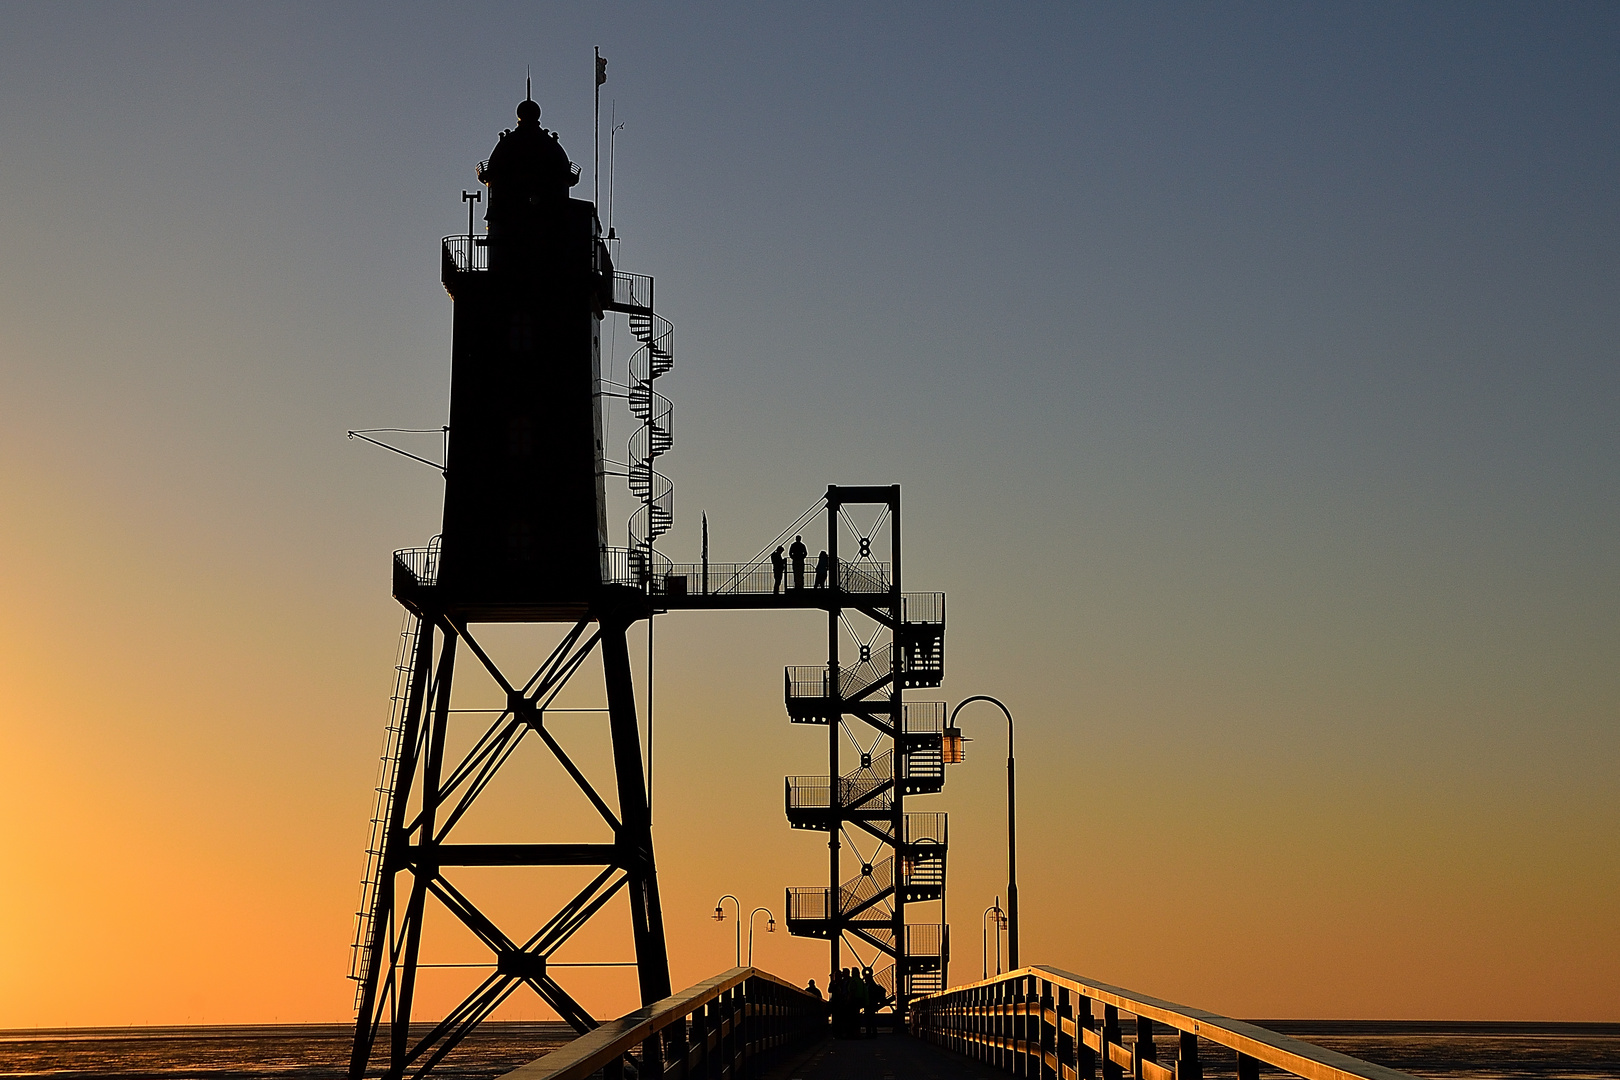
720 1027
1046 1024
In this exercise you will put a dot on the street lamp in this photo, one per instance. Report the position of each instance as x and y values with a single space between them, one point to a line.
1012 830
993 912
720 916
770 928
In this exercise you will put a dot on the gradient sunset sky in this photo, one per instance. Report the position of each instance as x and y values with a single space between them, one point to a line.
1251 373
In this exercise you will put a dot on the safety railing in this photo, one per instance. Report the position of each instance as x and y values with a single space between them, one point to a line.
729 1025
421 564
632 292
928 830
926 943
1044 1022
922 607
808 904
867 790
924 720
482 171
757 578
466 253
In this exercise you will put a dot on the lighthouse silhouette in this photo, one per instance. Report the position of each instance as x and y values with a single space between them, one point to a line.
524 540
525 511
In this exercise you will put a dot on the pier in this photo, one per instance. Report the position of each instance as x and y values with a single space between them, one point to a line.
1039 1023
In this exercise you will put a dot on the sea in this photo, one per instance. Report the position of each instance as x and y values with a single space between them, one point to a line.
1444 1051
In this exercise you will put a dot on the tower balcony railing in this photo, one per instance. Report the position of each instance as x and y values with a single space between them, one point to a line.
466 253
419 565
482 169
632 292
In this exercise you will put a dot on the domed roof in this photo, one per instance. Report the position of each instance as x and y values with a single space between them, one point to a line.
530 158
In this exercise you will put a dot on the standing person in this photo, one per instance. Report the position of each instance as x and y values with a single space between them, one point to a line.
821 1006
797 553
823 564
874 1000
838 998
778 569
859 1003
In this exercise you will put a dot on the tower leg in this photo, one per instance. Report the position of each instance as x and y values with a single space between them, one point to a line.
635 836
425 868
368 1018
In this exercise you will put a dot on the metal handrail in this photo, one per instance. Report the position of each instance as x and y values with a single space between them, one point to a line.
1038 1018
923 718
466 253
922 607
757 579
482 172
421 563
632 290
711 1029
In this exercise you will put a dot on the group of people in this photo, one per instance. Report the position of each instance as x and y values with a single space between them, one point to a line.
854 996
797 554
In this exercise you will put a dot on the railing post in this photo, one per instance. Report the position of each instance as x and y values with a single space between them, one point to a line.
1109 1038
1187 1064
989 1023
1063 1043
1050 1026
1004 1028
1021 1025
1085 1059
1248 1068
1020 1041
1145 1050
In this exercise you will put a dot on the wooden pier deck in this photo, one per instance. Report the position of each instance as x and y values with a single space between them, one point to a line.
884 1057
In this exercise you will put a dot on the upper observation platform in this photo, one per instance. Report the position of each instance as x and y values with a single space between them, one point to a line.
699 586
684 586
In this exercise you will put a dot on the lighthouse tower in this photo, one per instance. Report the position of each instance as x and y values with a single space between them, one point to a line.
525 539
525 511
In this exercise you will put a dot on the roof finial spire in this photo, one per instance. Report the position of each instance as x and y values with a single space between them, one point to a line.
528 84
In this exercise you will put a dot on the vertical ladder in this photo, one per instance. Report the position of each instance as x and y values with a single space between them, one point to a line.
360 959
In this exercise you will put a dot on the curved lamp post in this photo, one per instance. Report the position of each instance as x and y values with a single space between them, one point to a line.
720 916
993 912
1012 830
770 928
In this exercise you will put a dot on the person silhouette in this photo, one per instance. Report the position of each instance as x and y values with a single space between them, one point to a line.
778 569
797 553
823 564
873 998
